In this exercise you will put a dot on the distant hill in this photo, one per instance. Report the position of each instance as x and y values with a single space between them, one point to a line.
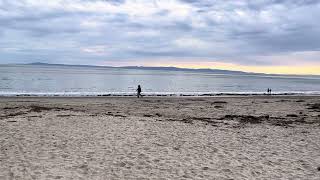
216 71
213 71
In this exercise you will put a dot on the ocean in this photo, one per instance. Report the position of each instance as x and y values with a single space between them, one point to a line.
49 80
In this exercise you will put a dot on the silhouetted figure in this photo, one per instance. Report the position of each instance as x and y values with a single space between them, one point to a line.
139 91
270 91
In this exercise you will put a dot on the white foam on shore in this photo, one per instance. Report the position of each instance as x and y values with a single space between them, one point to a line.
73 94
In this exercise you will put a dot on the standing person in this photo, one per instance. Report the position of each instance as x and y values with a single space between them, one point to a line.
139 91
270 91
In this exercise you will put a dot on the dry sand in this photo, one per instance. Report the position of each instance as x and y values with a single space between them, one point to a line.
160 138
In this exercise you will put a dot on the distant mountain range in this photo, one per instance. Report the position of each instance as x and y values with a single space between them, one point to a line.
213 71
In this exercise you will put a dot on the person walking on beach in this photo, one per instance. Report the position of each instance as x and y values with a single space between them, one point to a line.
139 91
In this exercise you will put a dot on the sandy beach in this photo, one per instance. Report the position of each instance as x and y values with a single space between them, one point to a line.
258 137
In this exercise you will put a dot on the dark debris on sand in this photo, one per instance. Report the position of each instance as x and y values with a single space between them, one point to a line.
190 120
13 121
32 108
246 118
12 115
10 108
115 115
35 108
219 102
218 107
315 107
292 115
276 121
152 115
286 121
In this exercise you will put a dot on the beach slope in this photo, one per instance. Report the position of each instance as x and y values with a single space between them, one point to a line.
259 137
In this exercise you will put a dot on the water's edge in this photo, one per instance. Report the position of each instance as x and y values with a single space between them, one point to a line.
153 94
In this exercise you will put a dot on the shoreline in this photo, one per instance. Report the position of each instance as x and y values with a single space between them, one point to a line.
154 94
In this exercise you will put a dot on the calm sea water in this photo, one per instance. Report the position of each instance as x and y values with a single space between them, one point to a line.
56 80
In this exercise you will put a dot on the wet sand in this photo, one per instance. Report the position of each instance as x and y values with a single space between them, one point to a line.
258 137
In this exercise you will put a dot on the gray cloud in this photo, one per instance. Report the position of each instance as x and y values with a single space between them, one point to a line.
247 32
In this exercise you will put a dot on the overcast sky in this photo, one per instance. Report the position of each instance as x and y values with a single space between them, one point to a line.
161 32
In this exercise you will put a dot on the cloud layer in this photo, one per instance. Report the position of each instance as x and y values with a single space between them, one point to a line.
248 32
